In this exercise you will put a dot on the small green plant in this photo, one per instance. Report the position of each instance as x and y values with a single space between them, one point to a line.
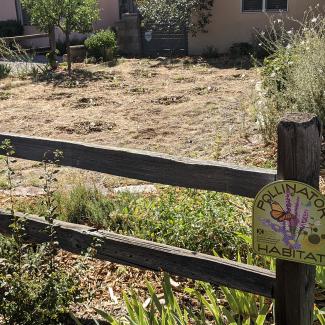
5 70
4 95
33 289
102 44
319 314
239 308
52 59
85 205
195 220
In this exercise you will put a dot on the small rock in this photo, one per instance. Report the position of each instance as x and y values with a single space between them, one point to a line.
136 189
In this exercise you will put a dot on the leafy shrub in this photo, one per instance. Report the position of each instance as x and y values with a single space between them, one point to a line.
103 44
176 15
84 205
33 289
10 28
293 77
196 220
33 295
5 70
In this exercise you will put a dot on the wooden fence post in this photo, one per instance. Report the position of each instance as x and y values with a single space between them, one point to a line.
299 147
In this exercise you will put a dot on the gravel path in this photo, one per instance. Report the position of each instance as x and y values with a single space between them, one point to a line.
21 66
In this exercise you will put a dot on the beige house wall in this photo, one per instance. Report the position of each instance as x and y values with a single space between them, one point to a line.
7 10
109 13
230 25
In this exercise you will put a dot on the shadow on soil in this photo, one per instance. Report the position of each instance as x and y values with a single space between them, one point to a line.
220 62
78 79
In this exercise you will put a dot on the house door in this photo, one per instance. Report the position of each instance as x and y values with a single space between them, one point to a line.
163 42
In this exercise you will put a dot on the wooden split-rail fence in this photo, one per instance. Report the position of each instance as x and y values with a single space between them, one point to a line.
292 286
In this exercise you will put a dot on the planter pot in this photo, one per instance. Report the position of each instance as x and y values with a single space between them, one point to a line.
78 53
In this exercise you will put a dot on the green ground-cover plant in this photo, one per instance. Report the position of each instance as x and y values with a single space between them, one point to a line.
211 307
33 289
4 70
293 77
196 220
102 44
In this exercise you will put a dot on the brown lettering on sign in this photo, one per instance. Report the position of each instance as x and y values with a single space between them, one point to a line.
260 205
323 213
262 249
286 252
319 203
311 256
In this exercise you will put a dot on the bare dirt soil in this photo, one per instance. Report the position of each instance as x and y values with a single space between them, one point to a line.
187 107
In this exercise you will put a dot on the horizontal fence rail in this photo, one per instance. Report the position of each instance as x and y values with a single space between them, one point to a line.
24 37
149 255
147 166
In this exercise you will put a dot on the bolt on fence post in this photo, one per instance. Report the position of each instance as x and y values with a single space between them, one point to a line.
299 149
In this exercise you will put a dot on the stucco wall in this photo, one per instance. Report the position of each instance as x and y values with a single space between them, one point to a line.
229 25
109 13
7 10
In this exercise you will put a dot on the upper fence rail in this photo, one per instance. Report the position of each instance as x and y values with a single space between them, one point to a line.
147 166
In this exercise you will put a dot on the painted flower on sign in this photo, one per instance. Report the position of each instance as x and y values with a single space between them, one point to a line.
291 222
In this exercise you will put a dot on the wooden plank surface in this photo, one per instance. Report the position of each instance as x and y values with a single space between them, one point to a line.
147 166
299 150
149 255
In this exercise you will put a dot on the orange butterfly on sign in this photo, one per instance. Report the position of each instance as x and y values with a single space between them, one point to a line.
278 213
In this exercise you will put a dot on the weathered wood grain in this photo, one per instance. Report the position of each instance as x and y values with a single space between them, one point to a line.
149 255
299 148
147 166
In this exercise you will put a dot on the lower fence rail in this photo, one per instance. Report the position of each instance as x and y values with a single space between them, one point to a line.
148 255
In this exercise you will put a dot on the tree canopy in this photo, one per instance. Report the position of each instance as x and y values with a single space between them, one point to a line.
176 14
69 15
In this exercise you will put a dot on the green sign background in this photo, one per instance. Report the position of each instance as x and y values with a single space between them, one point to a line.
289 222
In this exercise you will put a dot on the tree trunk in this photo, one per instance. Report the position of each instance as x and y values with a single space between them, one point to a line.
52 39
67 39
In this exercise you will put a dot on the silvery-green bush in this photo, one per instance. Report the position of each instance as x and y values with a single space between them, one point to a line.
293 75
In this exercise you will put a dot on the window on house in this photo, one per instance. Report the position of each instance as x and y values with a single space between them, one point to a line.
252 5
276 4
264 5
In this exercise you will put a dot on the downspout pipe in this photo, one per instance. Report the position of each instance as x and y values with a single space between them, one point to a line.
19 13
